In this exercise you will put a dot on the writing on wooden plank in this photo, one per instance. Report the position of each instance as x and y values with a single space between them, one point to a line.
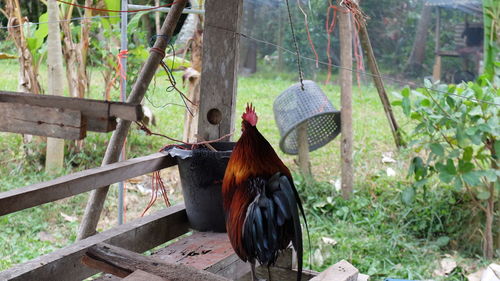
88 107
122 260
42 121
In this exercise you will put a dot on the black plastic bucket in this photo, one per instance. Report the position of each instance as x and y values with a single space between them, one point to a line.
202 171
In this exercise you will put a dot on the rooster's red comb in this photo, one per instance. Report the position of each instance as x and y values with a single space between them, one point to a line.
249 115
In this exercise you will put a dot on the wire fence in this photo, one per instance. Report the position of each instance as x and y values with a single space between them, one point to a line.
315 60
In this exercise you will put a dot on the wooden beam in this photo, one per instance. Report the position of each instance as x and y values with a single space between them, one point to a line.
45 192
219 68
42 121
97 197
126 261
345 34
138 235
88 107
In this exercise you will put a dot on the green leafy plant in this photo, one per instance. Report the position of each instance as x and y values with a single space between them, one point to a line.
456 137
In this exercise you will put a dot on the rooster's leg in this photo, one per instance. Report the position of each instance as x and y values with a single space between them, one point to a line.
254 273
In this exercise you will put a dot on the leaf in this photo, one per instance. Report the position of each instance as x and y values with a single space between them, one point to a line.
476 111
406 106
115 6
42 30
465 167
406 92
437 149
425 102
467 157
4 56
445 177
458 184
450 167
490 175
133 24
442 241
483 195
408 195
471 178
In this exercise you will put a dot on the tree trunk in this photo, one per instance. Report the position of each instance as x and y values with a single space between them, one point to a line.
55 147
414 66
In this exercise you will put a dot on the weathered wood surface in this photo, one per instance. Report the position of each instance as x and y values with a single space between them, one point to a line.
140 275
346 142
213 252
42 121
97 197
102 125
138 235
69 185
341 271
205 250
220 66
88 107
127 261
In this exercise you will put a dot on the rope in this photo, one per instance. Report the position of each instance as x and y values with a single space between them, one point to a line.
301 77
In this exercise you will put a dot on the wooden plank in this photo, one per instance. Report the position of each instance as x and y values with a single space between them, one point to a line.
278 273
101 124
140 275
42 121
97 197
138 235
88 107
341 271
212 252
41 193
125 260
219 69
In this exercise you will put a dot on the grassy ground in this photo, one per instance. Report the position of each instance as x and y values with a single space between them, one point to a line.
375 231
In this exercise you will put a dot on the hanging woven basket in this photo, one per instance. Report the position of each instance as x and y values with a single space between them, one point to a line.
310 107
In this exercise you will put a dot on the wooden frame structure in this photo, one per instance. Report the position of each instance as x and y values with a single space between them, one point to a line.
217 100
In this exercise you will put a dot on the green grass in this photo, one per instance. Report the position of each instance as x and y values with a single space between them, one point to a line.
375 230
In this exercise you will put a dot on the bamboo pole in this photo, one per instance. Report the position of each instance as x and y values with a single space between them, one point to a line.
55 147
97 197
379 84
345 34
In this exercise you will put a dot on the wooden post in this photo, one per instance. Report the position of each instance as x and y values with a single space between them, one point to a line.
55 147
220 66
303 143
379 84
345 32
436 70
97 197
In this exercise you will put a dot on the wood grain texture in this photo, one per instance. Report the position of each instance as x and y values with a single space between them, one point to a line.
98 196
69 185
124 260
42 121
138 235
140 275
345 34
88 107
220 66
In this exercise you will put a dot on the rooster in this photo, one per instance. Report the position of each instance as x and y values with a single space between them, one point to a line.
260 200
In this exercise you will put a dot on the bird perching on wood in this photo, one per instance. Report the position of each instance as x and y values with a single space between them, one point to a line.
260 200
